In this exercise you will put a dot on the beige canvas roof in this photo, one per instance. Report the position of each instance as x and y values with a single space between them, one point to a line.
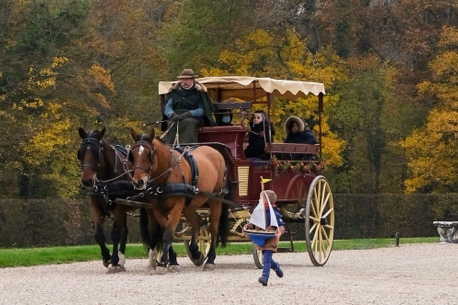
250 88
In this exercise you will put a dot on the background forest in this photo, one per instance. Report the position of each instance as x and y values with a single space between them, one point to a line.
390 69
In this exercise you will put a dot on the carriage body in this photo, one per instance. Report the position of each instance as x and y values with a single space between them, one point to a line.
303 193
244 92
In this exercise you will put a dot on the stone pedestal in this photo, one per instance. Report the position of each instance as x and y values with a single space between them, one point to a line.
448 231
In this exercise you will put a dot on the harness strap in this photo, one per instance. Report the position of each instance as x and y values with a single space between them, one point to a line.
181 190
192 163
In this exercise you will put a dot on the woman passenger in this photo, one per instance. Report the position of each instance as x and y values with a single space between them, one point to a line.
260 134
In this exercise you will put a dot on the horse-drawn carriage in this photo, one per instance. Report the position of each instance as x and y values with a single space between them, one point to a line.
304 195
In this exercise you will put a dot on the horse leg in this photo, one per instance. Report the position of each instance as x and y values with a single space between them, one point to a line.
147 236
119 238
215 213
158 235
155 241
99 236
174 217
196 256
174 266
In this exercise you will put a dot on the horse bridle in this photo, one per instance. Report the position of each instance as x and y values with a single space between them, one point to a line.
149 145
97 144
152 151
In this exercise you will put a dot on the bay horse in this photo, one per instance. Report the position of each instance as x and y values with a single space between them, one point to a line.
106 175
179 183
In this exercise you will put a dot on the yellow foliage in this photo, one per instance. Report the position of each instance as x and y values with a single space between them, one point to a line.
102 77
45 78
260 54
449 37
102 100
43 144
432 152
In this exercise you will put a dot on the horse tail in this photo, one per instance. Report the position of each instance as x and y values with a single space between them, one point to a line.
223 228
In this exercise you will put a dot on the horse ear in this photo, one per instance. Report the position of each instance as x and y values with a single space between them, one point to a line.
133 134
102 132
82 133
151 134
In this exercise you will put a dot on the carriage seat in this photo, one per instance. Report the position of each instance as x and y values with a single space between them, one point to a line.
292 149
448 231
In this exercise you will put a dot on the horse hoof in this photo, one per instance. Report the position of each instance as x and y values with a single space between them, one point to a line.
122 260
159 271
116 269
199 262
152 262
174 268
106 263
209 267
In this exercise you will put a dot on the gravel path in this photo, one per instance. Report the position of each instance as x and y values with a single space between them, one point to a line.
408 274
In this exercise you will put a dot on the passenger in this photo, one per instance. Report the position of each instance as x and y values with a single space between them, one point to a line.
189 106
297 132
224 118
260 134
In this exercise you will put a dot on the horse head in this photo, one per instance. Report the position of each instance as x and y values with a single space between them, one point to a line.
142 156
90 155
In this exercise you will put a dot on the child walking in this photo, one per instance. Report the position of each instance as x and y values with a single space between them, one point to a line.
271 244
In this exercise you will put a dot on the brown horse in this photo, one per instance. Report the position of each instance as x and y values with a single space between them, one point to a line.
106 175
178 183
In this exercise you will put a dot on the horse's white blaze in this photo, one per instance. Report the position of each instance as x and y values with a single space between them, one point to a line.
141 149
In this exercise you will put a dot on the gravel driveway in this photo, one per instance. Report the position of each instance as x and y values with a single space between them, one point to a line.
408 274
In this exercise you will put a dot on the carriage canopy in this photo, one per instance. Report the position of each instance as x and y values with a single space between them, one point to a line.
248 88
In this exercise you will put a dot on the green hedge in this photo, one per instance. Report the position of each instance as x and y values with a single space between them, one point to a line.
382 215
52 222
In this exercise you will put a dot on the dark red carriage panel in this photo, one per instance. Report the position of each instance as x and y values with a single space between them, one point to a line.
231 136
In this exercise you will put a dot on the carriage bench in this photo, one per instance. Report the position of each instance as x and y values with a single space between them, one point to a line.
448 231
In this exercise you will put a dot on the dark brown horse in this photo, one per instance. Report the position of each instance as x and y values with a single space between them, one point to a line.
106 175
179 183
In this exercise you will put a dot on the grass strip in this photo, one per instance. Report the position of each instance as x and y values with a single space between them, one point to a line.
16 257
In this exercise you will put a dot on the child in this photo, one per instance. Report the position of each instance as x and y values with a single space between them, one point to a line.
271 244
297 132
260 134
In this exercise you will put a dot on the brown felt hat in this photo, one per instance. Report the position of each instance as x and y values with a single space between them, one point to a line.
187 73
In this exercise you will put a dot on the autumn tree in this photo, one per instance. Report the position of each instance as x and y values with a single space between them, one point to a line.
432 148
287 57
68 64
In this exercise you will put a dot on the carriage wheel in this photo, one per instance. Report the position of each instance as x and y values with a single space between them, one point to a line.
319 221
257 256
203 243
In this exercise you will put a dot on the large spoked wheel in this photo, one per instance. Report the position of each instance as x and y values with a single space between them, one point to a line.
203 243
257 256
319 221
